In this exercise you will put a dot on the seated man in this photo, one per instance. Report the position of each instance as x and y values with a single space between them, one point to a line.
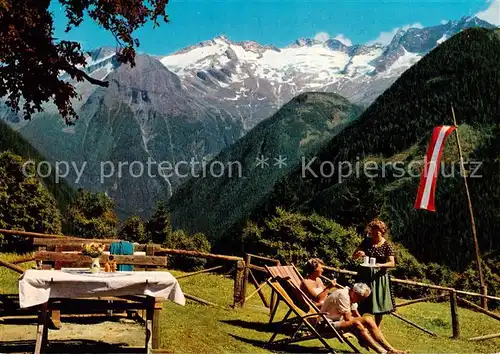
341 308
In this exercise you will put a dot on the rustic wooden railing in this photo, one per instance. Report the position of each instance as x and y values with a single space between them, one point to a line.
243 273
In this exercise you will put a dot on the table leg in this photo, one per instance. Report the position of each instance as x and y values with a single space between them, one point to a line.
150 311
153 308
41 331
54 318
158 305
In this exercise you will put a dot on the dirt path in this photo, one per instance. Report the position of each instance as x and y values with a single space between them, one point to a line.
79 335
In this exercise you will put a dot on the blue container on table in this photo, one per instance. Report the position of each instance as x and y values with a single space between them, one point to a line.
122 248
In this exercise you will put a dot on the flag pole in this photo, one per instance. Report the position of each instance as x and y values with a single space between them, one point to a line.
484 300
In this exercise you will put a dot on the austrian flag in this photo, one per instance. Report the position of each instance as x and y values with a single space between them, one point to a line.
427 188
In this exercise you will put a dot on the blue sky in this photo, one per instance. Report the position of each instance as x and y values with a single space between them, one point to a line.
280 22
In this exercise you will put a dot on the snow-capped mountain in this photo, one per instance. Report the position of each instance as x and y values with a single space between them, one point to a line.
252 80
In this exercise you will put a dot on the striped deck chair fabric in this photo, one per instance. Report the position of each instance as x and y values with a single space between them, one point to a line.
288 271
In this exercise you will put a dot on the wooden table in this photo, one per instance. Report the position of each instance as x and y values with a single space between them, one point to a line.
51 290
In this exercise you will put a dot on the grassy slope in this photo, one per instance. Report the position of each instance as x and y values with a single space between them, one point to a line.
229 331
201 329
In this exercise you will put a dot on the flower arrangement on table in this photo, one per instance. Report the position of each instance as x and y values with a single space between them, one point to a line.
95 251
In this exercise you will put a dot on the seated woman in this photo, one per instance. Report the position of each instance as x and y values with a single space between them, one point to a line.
312 285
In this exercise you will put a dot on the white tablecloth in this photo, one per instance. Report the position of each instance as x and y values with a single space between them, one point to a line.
37 286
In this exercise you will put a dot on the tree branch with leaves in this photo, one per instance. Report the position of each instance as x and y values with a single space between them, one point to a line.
32 61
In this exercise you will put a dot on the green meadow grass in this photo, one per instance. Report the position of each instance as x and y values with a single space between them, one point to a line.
196 328
8 278
246 330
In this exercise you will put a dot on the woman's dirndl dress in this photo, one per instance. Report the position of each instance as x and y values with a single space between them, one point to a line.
381 299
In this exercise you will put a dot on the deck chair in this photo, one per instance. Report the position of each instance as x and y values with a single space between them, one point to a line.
288 271
307 316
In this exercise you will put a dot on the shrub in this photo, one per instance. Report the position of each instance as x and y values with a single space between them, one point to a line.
92 215
294 238
133 230
180 240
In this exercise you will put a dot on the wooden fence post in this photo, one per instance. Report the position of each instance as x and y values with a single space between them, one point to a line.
239 277
484 299
455 322
150 251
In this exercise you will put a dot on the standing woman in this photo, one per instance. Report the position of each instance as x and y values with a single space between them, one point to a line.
381 300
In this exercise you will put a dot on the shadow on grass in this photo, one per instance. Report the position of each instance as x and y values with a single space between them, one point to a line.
9 299
20 321
283 348
88 320
287 329
256 326
68 347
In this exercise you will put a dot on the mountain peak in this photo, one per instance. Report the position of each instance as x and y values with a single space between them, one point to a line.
208 43
335 44
222 38
473 21
304 42
102 53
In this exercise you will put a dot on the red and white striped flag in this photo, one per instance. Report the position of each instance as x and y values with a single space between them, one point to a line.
427 188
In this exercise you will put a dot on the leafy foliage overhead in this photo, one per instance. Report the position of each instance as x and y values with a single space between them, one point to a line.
32 59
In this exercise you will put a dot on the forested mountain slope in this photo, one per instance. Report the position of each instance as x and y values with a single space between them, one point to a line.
464 72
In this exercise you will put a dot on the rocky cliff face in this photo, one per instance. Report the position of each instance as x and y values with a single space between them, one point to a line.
216 203
194 103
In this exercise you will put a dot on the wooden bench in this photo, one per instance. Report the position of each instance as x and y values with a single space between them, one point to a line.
58 260
72 246
49 244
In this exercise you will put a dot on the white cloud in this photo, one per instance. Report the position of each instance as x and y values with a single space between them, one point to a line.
492 13
322 36
343 39
444 22
385 38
